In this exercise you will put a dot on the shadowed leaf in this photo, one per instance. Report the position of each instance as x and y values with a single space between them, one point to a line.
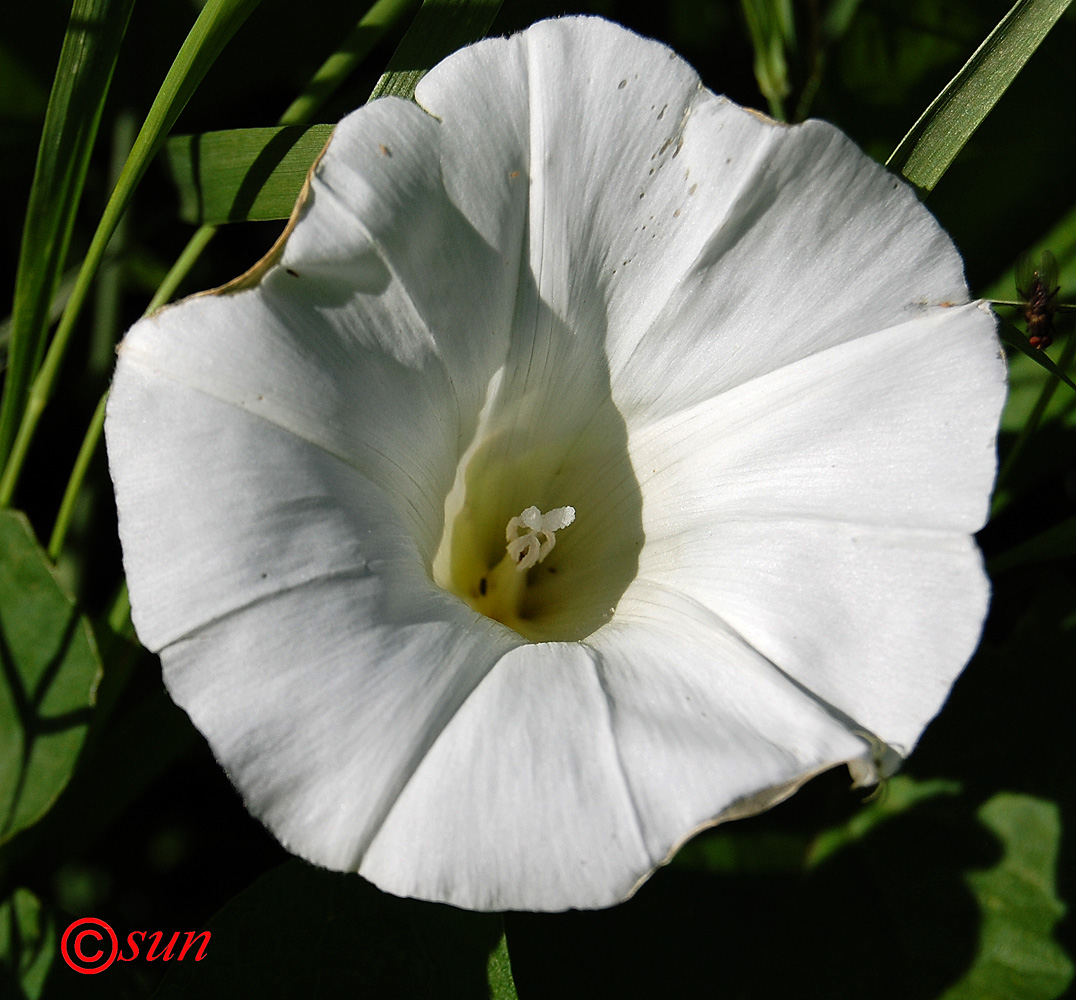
49 670
361 943
243 174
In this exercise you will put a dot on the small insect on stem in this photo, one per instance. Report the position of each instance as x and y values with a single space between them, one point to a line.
1038 288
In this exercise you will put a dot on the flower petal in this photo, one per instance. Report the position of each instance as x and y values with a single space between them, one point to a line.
437 291
384 285
823 511
295 622
705 196
521 803
819 245
895 429
574 769
557 105
706 727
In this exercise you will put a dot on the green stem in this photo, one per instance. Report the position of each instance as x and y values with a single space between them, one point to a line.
367 32
44 383
92 439
1059 306
214 26
78 474
181 268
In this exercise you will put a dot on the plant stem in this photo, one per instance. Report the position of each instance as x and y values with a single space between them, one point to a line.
78 474
181 268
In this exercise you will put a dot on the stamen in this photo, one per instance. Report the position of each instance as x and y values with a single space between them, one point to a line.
532 535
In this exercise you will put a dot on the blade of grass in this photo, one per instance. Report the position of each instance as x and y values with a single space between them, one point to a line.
108 293
367 32
56 309
934 141
181 268
83 76
373 26
217 22
440 27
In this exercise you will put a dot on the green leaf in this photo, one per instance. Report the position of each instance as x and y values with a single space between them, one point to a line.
130 756
728 850
215 25
499 973
439 29
1018 957
50 673
934 141
27 945
243 174
896 796
343 938
87 59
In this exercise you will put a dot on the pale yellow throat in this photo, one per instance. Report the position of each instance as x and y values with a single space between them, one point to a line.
530 537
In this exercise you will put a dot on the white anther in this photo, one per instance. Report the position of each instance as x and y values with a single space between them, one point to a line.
531 536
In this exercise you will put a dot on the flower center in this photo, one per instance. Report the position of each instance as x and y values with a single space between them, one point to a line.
531 450
502 592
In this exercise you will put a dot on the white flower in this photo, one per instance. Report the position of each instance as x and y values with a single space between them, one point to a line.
568 278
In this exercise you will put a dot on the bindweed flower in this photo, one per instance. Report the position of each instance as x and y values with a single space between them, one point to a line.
594 461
